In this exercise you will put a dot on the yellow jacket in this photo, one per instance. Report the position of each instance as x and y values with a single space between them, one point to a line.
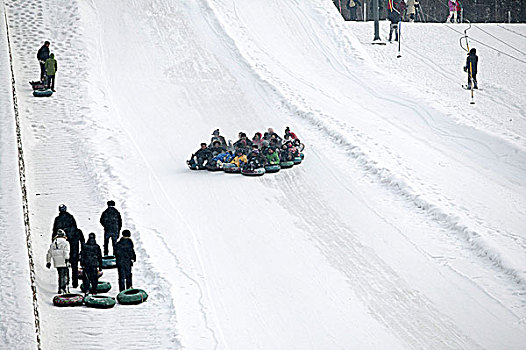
239 159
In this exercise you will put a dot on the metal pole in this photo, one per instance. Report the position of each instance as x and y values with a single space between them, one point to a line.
376 16
509 16
399 38
461 15
365 11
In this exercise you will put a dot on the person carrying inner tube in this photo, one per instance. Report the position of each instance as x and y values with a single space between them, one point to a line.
125 257
91 261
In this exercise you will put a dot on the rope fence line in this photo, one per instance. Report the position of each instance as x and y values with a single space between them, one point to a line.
22 175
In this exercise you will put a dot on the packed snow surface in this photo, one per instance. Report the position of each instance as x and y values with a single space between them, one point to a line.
404 228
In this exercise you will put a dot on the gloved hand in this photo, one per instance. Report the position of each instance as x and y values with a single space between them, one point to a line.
48 265
67 263
100 269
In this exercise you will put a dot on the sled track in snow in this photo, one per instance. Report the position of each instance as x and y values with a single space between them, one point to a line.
343 135
22 175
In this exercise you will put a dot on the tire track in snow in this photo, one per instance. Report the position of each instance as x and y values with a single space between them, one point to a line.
62 167
403 310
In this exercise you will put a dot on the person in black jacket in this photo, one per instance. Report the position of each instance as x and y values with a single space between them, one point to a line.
64 221
471 68
42 56
91 262
112 223
75 239
201 156
125 257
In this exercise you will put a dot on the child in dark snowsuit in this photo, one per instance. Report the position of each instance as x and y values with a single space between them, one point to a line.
91 261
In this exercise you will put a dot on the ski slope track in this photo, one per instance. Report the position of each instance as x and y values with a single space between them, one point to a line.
402 229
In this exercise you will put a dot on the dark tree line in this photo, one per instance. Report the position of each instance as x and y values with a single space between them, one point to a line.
476 11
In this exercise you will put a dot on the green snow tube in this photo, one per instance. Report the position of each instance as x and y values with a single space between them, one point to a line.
109 262
132 296
286 165
272 168
68 300
297 160
102 287
42 93
99 301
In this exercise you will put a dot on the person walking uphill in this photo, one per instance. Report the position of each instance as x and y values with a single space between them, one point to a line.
125 257
112 222
59 252
42 56
76 238
91 262
64 221
51 70
471 68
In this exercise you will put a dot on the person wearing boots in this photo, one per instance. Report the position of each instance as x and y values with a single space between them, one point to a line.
125 257
75 239
59 252
51 70
112 222
91 262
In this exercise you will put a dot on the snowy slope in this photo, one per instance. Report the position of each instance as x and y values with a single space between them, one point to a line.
403 228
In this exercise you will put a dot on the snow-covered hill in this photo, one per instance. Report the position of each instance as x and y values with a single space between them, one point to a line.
403 228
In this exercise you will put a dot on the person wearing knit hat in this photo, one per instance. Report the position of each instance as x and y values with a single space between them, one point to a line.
91 261
125 257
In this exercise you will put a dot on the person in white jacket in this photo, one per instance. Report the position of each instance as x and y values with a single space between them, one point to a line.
59 252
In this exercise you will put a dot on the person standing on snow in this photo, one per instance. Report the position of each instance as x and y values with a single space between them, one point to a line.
394 18
459 11
125 257
75 239
411 10
51 70
452 4
91 262
353 7
471 67
112 222
42 56
59 252
64 221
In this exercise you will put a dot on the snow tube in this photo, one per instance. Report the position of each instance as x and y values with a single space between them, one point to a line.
297 160
68 300
273 168
37 85
42 93
81 273
132 296
253 172
213 168
109 262
99 301
102 287
302 156
286 165
231 168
